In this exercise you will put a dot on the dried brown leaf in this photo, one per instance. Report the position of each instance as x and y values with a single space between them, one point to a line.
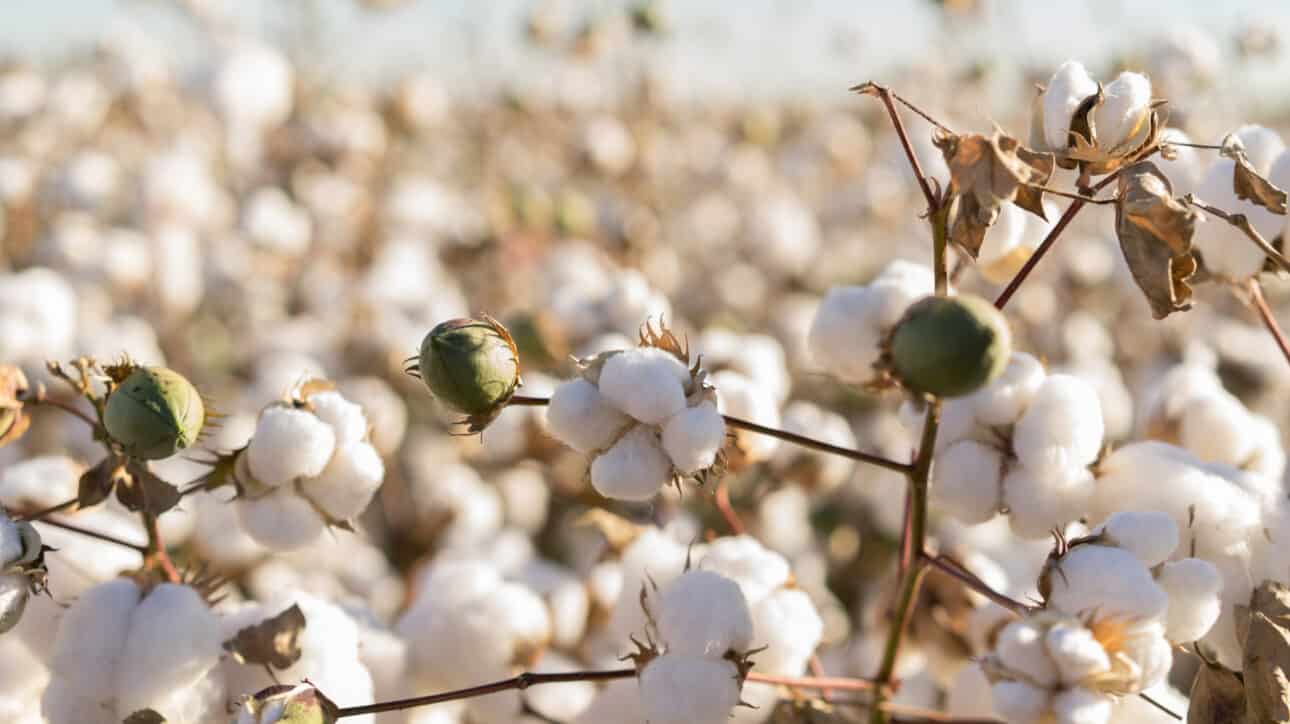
96 484
274 642
1267 654
1092 154
1217 697
142 490
144 716
1155 231
986 173
1247 182
13 420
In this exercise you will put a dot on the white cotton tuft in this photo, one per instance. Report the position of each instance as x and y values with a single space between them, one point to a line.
1217 427
1019 703
693 436
747 562
787 624
849 326
1262 145
646 383
1061 429
1081 706
1123 114
1151 535
1194 587
280 520
87 649
739 396
1065 91
174 641
346 418
1001 402
1038 503
345 487
1227 251
289 444
580 417
10 541
1075 652
702 613
966 479
680 689
634 468
1021 648
1106 580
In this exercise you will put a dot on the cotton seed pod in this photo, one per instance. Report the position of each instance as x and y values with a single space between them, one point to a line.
949 346
154 413
471 366
282 704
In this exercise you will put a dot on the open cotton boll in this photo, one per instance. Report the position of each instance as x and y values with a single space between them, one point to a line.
346 418
173 644
1038 503
634 468
1075 652
1061 429
1150 535
787 624
693 436
1194 587
1065 91
87 652
740 396
280 520
1217 427
1268 457
1124 111
646 383
1262 146
747 562
1020 703
580 417
966 479
653 556
1109 581
1021 648
345 487
1001 402
681 689
702 613
846 334
289 444
1081 706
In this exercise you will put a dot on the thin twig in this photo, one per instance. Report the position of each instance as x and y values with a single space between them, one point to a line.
952 569
1260 305
526 401
1241 222
1069 195
722 498
522 681
1175 715
47 511
885 95
41 398
54 522
920 112
1208 146
839 683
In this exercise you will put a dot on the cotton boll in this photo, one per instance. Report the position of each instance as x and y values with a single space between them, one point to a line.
966 480
1065 91
39 482
788 625
1081 706
634 468
580 417
1193 587
87 651
1106 580
702 613
173 644
1076 653
1021 648
743 559
1217 427
1061 429
1268 457
693 436
784 520
1002 401
1019 703
346 418
851 322
1123 114
1038 503
345 487
289 444
1262 145
1151 536
680 689
384 409
739 396
653 556
525 498
280 520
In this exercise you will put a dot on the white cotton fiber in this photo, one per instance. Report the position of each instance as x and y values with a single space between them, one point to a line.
1065 91
1075 652
345 487
747 562
965 481
742 397
702 613
1109 581
1021 648
634 468
280 520
1020 703
1001 402
289 444
787 624
680 689
1217 427
1082 706
580 417
1038 503
1061 429
1123 113
346 418
173 644
10 541
1193 587
693 436
1151 535
646 383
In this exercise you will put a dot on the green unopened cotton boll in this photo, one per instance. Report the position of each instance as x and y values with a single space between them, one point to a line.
470 365
950 346
154 413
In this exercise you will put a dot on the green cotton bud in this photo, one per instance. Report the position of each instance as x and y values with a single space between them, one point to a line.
154 413
299 704
471 366
949 346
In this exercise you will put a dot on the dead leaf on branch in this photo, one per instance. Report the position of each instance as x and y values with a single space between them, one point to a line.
1217 697
1267 654
97 483
986 173
144 716
274 642
142 490
14 421
1247 183
1155 231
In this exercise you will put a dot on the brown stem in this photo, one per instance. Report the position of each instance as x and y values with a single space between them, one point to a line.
722 498
1260 305
47 511
155 553
41 399
1171 713
885 95
526 401
952 569
839 683
522 681
93 534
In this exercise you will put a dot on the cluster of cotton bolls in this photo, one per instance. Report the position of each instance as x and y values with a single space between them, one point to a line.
644 417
